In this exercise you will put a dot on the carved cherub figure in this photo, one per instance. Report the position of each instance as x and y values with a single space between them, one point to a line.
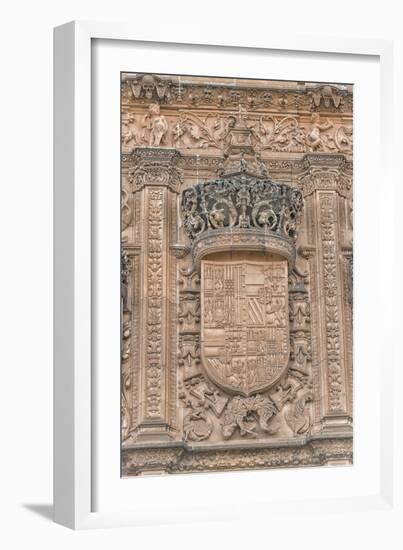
314 138
156 125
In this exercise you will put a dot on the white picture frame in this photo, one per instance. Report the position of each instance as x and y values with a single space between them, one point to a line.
87 491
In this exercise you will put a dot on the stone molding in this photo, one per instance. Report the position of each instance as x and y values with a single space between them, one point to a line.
182 458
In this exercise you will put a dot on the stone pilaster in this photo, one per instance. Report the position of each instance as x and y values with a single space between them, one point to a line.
324 183
155 179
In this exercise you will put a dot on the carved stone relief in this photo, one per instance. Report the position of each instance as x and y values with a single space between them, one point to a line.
236 274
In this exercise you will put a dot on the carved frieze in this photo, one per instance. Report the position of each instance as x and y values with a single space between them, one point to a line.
191 92
187 115
268 133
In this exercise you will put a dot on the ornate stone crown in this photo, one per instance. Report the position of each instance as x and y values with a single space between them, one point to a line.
242 211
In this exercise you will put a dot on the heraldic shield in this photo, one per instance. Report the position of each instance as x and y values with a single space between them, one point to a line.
244 329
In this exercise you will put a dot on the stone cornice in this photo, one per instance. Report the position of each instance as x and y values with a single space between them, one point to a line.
192 92
183 459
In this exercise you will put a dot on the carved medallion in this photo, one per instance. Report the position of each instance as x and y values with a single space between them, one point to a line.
244 324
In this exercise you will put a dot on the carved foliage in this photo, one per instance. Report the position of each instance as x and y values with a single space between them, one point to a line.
332 321
126 403
154 310
244 202
126 374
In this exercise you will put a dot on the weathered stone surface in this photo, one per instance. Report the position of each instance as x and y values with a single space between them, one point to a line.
236 274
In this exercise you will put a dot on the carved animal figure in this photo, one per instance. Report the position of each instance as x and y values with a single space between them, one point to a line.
297 417
217 217
242 410
197 426
267 217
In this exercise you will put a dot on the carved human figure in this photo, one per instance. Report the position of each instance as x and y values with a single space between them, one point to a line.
155 125
274 312
128 131
314 138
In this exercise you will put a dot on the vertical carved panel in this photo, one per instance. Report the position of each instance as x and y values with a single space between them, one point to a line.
154 180
327 180
335 374
154 357
347 273
135 300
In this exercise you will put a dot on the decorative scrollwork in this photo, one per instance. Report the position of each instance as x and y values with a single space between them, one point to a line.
242 201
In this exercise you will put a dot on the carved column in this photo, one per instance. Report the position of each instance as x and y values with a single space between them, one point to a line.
326 185
155 181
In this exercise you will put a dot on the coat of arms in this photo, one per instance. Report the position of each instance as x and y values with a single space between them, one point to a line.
244 334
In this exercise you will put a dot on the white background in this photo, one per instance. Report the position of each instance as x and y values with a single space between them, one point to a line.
26 275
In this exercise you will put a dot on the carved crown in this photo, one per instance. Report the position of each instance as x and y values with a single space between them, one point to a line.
242 211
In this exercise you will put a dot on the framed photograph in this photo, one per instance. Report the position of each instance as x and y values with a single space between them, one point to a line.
213 358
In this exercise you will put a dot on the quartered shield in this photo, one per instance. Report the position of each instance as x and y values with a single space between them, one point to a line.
244 324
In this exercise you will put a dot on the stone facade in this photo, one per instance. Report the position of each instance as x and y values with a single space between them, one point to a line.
236 274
